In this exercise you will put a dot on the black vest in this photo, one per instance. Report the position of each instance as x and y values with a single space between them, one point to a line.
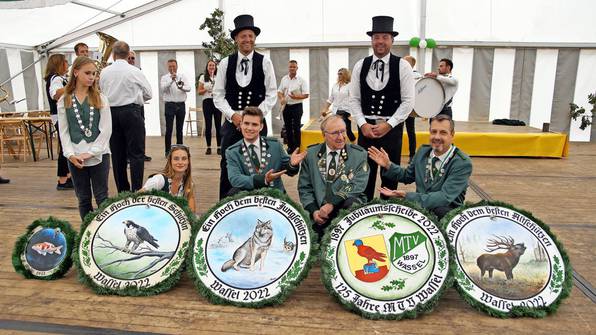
251 95
385 101
52 102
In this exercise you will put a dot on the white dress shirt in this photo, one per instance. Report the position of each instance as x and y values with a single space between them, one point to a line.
219 91
450 84
171 92
296 85
124 84
208 86
97 148
339 98
257 145
406 84
329 156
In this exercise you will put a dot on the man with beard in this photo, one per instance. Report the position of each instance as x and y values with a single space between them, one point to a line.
440 170
449 83
382 97
245 78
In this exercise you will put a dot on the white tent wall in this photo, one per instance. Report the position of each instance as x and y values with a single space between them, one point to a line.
500 57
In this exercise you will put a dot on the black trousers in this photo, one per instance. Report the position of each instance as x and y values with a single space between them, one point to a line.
391 142
320 228
346 117
62 161
90 179
174 110
411 129
230 135
292 115
212 114
128 143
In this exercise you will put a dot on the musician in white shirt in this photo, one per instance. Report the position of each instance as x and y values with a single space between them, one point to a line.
292 90
411 120
126 89
174 87
249 81
448 81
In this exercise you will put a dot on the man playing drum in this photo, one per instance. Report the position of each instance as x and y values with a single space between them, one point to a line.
382 98
448 81
440 170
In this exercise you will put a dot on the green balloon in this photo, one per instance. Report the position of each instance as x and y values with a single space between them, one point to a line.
414 42
431 43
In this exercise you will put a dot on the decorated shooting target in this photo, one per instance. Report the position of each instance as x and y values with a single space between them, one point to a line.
506 262
43 252
385 260
134 244
251 250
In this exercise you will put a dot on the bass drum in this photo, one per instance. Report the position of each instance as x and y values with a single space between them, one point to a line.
430 98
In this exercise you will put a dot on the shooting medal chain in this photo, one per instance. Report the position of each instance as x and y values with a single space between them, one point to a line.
85 130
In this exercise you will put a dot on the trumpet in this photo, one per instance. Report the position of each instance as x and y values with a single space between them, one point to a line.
3 94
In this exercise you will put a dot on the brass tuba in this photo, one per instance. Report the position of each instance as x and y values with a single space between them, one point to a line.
3 94
106 42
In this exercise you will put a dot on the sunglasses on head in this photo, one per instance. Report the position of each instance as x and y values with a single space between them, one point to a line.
179 146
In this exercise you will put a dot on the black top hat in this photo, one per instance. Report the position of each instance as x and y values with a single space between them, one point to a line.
242 22
382 24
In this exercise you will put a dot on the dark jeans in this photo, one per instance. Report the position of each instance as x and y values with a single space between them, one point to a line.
411 129
292 115
174 110
346 117
230 135
391 142
211 113
62 161
128 142
90 179
320 228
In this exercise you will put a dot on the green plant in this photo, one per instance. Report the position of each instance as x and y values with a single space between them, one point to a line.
222 45
576 111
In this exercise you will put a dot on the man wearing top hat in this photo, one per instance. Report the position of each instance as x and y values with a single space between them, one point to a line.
382 97
245 78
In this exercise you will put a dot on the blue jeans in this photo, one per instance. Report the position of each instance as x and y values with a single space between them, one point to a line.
90 178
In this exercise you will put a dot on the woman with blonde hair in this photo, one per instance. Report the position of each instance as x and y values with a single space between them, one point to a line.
55 77
176 177
85 129
339 99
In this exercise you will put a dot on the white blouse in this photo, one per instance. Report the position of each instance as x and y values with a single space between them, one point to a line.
158 181
97 148
339 97
208 86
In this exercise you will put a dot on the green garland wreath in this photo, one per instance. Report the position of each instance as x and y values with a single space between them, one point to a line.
288 283
21 244
174 275
463 282
328 269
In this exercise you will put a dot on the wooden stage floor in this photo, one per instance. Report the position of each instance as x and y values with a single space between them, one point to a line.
555 190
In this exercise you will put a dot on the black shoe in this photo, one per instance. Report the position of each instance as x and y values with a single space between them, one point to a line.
208 151
68 183
4 180
219 151
147 158
63 187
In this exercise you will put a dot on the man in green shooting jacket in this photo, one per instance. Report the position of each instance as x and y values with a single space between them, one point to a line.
258 162
440 170
333 176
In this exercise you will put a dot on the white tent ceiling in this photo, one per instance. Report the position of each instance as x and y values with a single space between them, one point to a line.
316 21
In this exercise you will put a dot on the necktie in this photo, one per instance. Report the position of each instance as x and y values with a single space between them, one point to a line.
244 65
433 166
379 66
253 157
331 171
